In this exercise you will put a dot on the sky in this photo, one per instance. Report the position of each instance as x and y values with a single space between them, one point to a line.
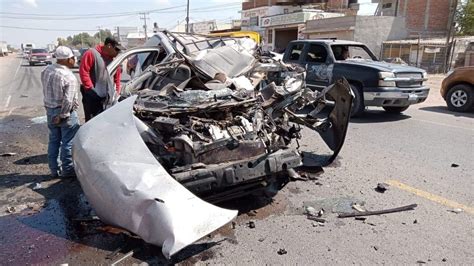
61 18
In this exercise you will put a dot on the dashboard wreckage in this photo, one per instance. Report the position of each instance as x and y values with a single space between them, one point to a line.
212 119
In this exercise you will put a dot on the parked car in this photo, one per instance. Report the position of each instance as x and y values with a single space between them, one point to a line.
39 56
206 118
81 53
393 87
457 89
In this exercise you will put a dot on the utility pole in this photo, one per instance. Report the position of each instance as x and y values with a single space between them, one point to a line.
187 18
145 18
452 14
100 35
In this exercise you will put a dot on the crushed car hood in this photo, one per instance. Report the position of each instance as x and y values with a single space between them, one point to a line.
128 188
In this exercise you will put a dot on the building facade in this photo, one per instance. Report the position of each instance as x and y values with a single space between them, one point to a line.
281 21
424 18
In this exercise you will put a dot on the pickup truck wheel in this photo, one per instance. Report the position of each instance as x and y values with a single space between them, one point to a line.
395 109
460 98
358 106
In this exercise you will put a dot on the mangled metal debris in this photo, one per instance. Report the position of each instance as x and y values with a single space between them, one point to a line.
216 123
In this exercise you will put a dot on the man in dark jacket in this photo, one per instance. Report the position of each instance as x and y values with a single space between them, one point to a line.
97 87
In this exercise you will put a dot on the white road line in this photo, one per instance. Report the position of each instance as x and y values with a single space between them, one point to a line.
443 124
8 101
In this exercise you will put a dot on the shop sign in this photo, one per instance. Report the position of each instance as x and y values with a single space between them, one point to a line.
292 18
255 13
202 27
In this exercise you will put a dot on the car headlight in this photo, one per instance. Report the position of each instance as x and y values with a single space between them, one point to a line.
386 79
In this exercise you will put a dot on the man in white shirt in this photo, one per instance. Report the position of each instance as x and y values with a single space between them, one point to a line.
60 90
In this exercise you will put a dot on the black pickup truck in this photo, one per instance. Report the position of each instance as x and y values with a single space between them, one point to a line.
373 83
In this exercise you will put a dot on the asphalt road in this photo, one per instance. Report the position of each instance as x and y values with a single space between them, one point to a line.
414 153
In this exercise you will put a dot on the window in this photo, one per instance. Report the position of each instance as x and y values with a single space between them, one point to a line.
352 52
316 54
270 36
295 52
387 5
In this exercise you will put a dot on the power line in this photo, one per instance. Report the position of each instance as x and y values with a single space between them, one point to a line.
24 16
44 29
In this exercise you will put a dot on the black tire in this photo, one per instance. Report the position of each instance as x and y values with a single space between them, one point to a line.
395 109
358 106
460 98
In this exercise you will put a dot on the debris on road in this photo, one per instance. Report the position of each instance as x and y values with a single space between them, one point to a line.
310 210
358 208
129 254
251 224
454 165
360 218
261 239
8 154
317 219
368 213
457 210
415 221
39 120
382 187
10 209
282 251
37 186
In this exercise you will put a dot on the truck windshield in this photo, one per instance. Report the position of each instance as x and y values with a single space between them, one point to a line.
352 52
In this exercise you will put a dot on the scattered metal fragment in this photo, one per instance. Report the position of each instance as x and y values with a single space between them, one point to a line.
415 221
444 260
11 209
376 248
457 210
382 187
454 165
129 254
252 224
317 219
421 262
39 120
321 212
368 213
360 218
282 251
8 154
160 200
233 225
261 239
357 207
37 186
310 210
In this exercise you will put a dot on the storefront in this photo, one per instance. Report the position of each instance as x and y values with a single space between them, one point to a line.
283 28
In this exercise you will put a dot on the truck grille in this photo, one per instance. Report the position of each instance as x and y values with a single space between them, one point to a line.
409 84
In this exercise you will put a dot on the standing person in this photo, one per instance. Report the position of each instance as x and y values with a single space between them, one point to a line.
97 87
60 90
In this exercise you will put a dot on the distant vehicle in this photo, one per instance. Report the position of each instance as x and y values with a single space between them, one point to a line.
238 34
393 87
457 89
3 49
81 53
77 54
39 56
51 47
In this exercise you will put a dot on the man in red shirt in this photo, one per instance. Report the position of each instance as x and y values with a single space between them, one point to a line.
98 89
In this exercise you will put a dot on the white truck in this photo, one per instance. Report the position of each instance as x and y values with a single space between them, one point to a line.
3 49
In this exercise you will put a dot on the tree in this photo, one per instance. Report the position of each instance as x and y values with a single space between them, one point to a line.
465 18
102 34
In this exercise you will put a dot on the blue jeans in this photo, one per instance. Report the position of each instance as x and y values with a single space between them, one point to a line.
60 142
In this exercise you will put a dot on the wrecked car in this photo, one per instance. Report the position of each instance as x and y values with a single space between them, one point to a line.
204 118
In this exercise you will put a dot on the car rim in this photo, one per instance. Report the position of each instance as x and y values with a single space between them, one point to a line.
459 98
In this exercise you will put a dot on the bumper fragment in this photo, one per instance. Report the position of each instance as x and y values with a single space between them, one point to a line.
128 188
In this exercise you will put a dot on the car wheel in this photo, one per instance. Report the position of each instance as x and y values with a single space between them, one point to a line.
460 98
395 109
358 106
